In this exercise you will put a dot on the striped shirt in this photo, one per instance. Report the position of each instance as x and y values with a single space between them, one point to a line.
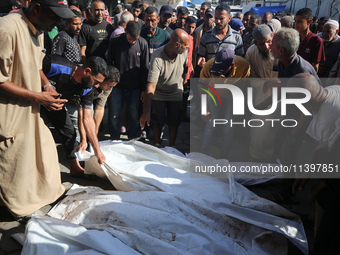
211 44
155 41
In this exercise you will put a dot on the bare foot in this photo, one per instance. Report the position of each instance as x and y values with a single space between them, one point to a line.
77 171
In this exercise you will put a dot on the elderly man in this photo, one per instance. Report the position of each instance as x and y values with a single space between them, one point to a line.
267 16
167 77
95 33
263 68
331 42
287 21
29 168
231 69
284 47
125 17
222 36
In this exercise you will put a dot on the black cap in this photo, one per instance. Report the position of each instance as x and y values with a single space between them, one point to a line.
210 11
59 7
166 9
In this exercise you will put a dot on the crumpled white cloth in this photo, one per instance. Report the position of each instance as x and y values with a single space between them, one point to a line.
162 208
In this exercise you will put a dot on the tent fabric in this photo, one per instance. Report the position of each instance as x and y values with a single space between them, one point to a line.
261 10
160 207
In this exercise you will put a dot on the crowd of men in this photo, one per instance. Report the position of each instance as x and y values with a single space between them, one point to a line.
140 64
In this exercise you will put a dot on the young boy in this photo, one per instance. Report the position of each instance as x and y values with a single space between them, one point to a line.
311 46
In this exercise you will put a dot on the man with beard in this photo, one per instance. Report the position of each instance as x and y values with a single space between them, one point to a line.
66 42
261 61
222 36
165 15
164 90
263 67
95 33
73 81
128 52
331 42
155 36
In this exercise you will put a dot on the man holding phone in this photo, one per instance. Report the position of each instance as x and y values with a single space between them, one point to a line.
74 83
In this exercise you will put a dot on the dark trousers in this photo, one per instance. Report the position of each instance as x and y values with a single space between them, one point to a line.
63 124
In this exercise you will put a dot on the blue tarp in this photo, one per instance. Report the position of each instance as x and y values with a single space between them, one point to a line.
261 10
199 2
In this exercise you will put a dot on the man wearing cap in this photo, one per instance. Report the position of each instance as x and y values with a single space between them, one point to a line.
231 68
204 7
222 36
263 67
331 42
155 36
237 25
182 14
95 33
29 168
165 15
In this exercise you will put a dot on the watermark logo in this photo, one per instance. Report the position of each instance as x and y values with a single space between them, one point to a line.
280 96
204 97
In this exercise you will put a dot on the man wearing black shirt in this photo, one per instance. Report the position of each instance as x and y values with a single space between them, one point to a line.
66 42
130 54
95 33
73 81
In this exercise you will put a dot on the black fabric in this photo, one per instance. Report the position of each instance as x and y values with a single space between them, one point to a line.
165 112
59 71
131 61
67 46
95 36
62 122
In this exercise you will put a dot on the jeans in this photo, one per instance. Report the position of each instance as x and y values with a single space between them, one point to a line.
132 98
225 135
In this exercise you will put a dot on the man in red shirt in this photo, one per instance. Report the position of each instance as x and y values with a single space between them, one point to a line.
311 46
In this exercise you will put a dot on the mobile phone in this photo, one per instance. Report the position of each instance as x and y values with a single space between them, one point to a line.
60 95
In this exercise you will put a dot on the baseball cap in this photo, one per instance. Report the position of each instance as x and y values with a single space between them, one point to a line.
235 24
223 60
166 9
210 11
59 7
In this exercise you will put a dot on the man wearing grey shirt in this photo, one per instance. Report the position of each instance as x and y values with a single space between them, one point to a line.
167 76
